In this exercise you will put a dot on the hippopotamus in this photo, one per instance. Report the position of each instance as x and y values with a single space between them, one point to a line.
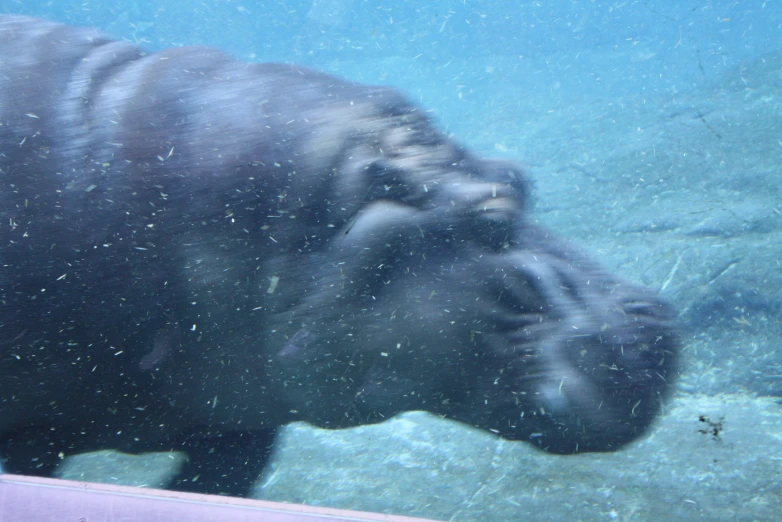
197 251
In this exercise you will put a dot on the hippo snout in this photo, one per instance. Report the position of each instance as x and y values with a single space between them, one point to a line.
586 359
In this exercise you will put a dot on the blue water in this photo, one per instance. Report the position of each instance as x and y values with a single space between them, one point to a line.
442 51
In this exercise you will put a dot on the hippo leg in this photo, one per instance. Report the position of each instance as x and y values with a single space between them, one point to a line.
243 454
32 451
221 464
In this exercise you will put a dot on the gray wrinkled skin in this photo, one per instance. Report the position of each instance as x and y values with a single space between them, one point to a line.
192 244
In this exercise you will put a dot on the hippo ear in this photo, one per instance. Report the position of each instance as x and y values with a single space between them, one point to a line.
507 172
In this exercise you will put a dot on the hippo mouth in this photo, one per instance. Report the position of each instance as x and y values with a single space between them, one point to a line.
586 370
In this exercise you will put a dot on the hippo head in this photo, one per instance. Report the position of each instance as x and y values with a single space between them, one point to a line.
438 294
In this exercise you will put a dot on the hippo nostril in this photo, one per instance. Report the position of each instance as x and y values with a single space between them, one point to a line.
650 308
638 307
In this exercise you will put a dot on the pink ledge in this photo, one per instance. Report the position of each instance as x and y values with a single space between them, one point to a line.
37 499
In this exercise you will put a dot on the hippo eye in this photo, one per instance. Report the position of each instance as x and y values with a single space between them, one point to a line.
386 181
380 170
517 296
